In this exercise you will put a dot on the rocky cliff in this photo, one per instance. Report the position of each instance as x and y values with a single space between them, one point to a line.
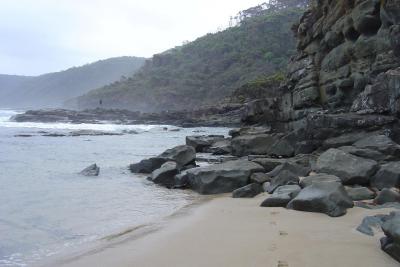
346 72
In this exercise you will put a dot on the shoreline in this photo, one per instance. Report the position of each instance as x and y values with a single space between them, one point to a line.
223 231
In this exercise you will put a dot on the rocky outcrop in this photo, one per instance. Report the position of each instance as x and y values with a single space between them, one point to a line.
387 196
388 176
247 191
391 243
202 142
165 175
319 178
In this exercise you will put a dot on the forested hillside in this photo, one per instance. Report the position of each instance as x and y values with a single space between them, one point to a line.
53 89
205 71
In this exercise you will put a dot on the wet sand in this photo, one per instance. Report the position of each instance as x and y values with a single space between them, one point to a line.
237 232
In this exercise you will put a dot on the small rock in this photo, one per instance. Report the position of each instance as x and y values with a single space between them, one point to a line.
201 142
388 176
165 175
248 191
360 193
371 222
318 178
284 177
391 243
259 178
386 196
282 196
92 170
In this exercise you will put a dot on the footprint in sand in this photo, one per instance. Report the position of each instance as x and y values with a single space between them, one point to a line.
283 264
283 233
272 223
273 247
274 212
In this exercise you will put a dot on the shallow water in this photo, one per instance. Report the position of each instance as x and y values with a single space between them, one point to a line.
46 207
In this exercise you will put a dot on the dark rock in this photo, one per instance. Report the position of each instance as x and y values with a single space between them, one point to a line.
391 228
388 176
380 143
92 170
370 223
282 196
147 165
201 142
343 140
282 148
269 163
91 133
165 175
387 196
182 155
364 153
222 147
360 193
328 198
284 177
248 191
220 178
292 167
252 144
259 178
318 178
349 168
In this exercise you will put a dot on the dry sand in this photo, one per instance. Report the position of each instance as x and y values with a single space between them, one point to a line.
236 232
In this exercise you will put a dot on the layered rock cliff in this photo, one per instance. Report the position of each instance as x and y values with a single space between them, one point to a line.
346 72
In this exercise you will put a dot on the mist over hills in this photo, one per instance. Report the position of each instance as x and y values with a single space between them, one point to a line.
207 70
54 89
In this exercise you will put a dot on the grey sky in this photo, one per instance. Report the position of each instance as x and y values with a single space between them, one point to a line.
39 36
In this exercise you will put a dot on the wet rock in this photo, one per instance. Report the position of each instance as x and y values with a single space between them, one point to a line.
259 178
387 196
248 191
268 163
220 178
92 170
284 177
165 175
388 176
318 178
222 147
182 155
282 196
147 165
349 168
391 243
364 153
360 193
292 167
201 142
328 198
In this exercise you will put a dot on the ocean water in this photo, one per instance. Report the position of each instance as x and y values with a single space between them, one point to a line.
46 207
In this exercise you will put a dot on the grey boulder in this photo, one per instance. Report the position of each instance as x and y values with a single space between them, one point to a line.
329 198
259 178
220 178
248 191
92 170
281 196
391 243
349 168
360 193
319 177
147 165
284 177
165 175
387 196
182 155
259 144
388 176
202 142
380 143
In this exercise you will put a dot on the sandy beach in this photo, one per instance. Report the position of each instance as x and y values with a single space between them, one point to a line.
236 232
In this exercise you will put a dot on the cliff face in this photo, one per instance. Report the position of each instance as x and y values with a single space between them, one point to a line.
347 60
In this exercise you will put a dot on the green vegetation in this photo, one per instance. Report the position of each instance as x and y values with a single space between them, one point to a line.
53 89
210 68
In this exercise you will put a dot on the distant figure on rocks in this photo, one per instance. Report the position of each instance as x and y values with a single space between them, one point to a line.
101 102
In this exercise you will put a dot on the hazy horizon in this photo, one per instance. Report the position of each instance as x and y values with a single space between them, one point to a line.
44 36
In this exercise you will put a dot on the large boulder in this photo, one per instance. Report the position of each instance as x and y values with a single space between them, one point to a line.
360 193
284 177
259 144
343 140
349 168
222 147
147 165
319 178
391 243
387 196
220 178
182 155
292 167
248 191
282 196
259 178
364 153
92 170
201 142
165 175
388 176
381 143
329 198
366 17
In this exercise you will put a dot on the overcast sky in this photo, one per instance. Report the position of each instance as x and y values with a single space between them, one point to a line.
40 36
